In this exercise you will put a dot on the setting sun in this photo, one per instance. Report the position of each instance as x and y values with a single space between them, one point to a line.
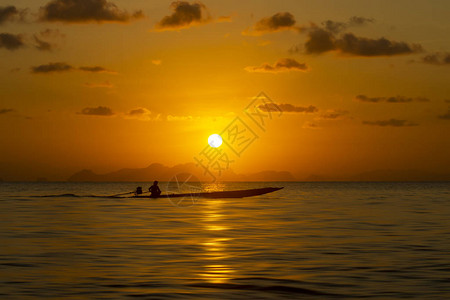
215 140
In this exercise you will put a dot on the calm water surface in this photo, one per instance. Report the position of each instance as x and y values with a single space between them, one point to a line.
309 240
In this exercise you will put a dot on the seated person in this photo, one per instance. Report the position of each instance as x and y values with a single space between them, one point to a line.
154 190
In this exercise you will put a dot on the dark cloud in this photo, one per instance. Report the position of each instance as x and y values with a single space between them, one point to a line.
282 65
396 99
278 22
445 116
82 11
438 58
184 15
64 67
285 107
6 110
95 69
138 112
326 38
320 41
390 122
52 67
337 27
97 111
11 41
8 13
360 46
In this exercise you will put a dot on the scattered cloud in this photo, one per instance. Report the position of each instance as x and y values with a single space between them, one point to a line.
278 22
56 67
390 122
337 27
97 111
8 13
360 46
334 114
83 11
11 41
395 99
320 41
142 114
285 107
437 58
172 118
44 40
445 116
6 110
95 69
310 125
282 65
105 84
329 38
184 15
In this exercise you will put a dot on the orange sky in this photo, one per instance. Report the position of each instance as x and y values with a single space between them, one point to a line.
104 85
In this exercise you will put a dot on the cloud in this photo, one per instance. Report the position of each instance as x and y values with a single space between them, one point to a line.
142 114
97 111
360 46
320 41
83 11
43 40
11 41
445 116
7 13
105 84
437 58
57 67
6 110
184 15
95 69
395 99
336 27
282 65
390 122
285 107
324 39
278 22
334 114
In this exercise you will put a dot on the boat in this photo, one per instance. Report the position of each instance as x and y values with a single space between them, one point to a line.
221 194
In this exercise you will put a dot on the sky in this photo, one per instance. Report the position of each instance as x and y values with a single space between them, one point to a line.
342 86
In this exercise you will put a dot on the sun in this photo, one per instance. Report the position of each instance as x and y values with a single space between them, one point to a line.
215 140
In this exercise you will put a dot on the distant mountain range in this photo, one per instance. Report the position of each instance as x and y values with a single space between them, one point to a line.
183 171
190 170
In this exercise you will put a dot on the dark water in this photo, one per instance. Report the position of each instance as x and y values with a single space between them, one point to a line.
310 240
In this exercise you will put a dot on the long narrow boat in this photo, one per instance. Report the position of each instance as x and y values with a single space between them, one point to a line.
222 194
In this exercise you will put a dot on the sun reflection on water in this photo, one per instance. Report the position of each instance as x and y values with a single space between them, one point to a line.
215 247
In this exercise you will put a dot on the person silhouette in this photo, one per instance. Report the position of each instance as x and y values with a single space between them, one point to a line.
154 190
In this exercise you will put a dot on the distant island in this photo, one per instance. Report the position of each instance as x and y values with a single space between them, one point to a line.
160 172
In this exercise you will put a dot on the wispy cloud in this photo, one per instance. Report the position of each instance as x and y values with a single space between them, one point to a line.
97 111
6 110
8 13
445 116
83 11
334 114
437 58
46 39
59 67
282 65
391 123
286 107
394 99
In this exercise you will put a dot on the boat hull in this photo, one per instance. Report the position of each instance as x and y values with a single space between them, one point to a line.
222 194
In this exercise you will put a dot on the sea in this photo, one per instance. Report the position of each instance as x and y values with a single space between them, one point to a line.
310 240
